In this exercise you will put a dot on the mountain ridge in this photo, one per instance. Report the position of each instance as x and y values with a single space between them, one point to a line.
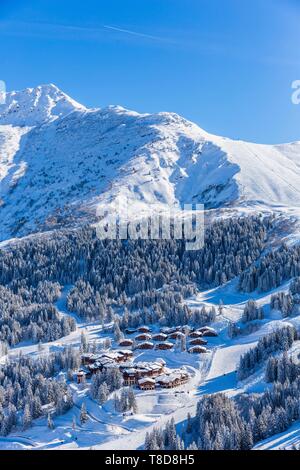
60 160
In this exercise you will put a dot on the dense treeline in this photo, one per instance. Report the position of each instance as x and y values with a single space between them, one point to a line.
164 439
252 312
26 315
104 383
287 302
131 273
281 369
27 385
250 321
222 423
272 270
239 424
115 273
279 340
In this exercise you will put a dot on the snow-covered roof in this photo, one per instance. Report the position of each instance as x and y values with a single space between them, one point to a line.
198 349
161 361
125 351
172 376
143 335
168 330
148 365
129 371
195 334
145 367
177 333
126 365
161 335
207 328
146 380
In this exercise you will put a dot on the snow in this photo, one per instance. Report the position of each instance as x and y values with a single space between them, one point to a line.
68 162
35 106
282 441
60 162
209 373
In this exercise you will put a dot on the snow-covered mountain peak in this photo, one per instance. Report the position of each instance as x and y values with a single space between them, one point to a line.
34 106
60 172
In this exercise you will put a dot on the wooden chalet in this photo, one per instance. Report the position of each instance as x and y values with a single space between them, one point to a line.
159 337
164 346
145 345
107 360
140 370
88 358
195 334
126 354
169 329
173 379
209 332
129 377
143 329
197 350
146 384
143 337
176 335
117 356
126 342
203 328
198 341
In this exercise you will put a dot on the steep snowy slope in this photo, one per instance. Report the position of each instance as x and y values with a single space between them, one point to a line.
67 160
34 106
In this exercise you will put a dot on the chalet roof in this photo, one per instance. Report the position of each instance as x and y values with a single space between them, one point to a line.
112 355
178 333
149 365
144 367
168 330
146 380
131 371
171 376
143 336
206 328
143 327
125 365
125 352
198 349
195 333
198 340
159 335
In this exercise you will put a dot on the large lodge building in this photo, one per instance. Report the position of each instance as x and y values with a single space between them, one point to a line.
145 375
141 370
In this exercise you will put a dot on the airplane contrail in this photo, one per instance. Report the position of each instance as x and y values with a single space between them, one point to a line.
134 33
50 28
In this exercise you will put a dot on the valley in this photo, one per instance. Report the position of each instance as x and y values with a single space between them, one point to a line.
222 321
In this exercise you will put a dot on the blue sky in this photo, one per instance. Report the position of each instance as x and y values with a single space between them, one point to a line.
228 65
